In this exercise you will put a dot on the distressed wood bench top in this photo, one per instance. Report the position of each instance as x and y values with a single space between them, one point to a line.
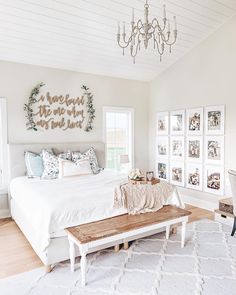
93 231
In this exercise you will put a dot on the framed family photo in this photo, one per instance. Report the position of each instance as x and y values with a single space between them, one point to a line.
177 173
214 180
162 169
163 147
177 122
177 148
194 121
194 148
163 123
214 150
194 176
215 120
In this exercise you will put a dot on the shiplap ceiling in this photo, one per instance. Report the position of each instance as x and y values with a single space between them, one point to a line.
80 35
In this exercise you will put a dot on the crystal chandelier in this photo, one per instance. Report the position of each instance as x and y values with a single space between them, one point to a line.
145 31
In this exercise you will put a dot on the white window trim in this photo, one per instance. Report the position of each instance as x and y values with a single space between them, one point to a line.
3 141
121 110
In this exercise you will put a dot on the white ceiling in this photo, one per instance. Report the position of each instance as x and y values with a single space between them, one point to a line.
80 35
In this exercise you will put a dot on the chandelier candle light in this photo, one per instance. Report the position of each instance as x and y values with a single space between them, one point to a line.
145 31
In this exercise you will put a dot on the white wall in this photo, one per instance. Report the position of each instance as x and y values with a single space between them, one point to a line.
17 80
206 76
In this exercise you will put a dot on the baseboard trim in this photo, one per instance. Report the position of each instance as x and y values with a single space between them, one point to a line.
4 213
211 206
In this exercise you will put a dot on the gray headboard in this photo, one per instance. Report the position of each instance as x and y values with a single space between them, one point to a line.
16 153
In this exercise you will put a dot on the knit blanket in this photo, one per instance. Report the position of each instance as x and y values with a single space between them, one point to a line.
142 198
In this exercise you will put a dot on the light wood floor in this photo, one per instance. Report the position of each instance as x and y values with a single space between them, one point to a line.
16 254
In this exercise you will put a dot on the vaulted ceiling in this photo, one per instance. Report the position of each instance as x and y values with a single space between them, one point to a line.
80 35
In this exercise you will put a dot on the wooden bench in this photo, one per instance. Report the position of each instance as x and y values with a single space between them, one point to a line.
123 228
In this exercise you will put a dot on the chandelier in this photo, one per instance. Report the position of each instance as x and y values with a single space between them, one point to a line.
145 31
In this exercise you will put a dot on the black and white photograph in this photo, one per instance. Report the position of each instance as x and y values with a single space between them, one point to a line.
214 180
214 120
163 146
162 123
163 170
177 147
194 148
149 175
177 173
194 176
177 122
194 121
214 150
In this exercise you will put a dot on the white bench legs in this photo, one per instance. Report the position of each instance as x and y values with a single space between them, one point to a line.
72 255
183 232
167 232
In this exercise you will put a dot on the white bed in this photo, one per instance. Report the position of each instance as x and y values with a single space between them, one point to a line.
43 208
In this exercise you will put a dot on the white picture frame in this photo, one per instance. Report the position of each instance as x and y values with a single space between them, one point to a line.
215 120
177 122
194 149
162 169
194 177
214 150
194 121
162 145
214 180
177 148
162 123
177 176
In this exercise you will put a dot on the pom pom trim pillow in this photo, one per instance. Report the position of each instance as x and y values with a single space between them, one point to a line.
70 169
91 155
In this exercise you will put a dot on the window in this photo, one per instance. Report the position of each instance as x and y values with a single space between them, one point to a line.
3 143
118 136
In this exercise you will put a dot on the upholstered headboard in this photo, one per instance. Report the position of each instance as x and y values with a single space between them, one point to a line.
16 153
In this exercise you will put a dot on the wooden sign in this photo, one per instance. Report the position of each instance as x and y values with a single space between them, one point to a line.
59 111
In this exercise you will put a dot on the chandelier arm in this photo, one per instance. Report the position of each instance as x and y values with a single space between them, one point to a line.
136 47
126 44
161 52
155 20
166 41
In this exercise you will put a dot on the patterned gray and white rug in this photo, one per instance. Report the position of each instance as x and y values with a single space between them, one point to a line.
206 266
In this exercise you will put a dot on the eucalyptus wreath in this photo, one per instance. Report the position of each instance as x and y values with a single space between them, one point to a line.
28 107
90 108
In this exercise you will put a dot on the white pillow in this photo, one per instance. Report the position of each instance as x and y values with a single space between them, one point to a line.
69 168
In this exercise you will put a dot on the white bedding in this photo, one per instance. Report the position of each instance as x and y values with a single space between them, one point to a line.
52 205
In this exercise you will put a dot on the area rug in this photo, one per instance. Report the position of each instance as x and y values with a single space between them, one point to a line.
205 266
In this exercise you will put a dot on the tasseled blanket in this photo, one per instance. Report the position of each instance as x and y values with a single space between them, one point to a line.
142 198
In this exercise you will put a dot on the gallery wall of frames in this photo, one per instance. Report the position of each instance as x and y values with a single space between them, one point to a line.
190 148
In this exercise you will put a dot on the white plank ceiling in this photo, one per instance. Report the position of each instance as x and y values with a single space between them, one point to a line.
80 35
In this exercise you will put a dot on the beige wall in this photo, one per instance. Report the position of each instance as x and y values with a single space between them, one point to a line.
17 80
206 76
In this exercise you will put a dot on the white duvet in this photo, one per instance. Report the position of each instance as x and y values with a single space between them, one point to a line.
52 205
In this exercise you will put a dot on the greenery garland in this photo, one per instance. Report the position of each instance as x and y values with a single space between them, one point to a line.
28 107
90 108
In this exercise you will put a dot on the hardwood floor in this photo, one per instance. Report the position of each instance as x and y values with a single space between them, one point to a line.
16 254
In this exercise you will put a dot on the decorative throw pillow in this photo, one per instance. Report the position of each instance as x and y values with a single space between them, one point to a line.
34 164
75 156
51 165
69 168
65 156
91 155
